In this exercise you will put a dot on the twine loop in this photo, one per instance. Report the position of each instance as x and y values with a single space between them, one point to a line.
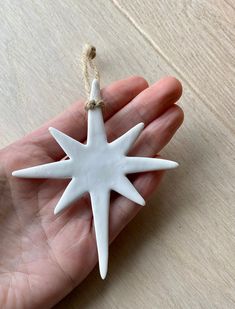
88 64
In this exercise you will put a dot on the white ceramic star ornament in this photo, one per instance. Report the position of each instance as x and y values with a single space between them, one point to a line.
97 167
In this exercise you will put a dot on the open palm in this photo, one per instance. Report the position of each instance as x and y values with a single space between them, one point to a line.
43 256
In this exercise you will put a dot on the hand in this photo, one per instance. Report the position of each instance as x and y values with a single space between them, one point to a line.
43 256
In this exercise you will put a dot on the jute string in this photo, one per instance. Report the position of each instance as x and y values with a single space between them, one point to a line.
89 67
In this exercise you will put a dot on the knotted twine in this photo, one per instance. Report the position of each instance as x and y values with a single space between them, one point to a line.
89 66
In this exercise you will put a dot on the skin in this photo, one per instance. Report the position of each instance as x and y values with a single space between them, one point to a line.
42 256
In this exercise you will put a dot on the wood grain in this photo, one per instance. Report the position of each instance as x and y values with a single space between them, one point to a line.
179 251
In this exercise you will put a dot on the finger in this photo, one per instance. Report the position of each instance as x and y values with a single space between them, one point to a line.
145 107
73 121
158 134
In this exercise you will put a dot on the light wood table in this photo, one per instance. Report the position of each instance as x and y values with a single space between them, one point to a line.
180 250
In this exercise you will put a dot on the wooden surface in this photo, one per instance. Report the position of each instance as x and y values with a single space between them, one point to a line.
180 250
